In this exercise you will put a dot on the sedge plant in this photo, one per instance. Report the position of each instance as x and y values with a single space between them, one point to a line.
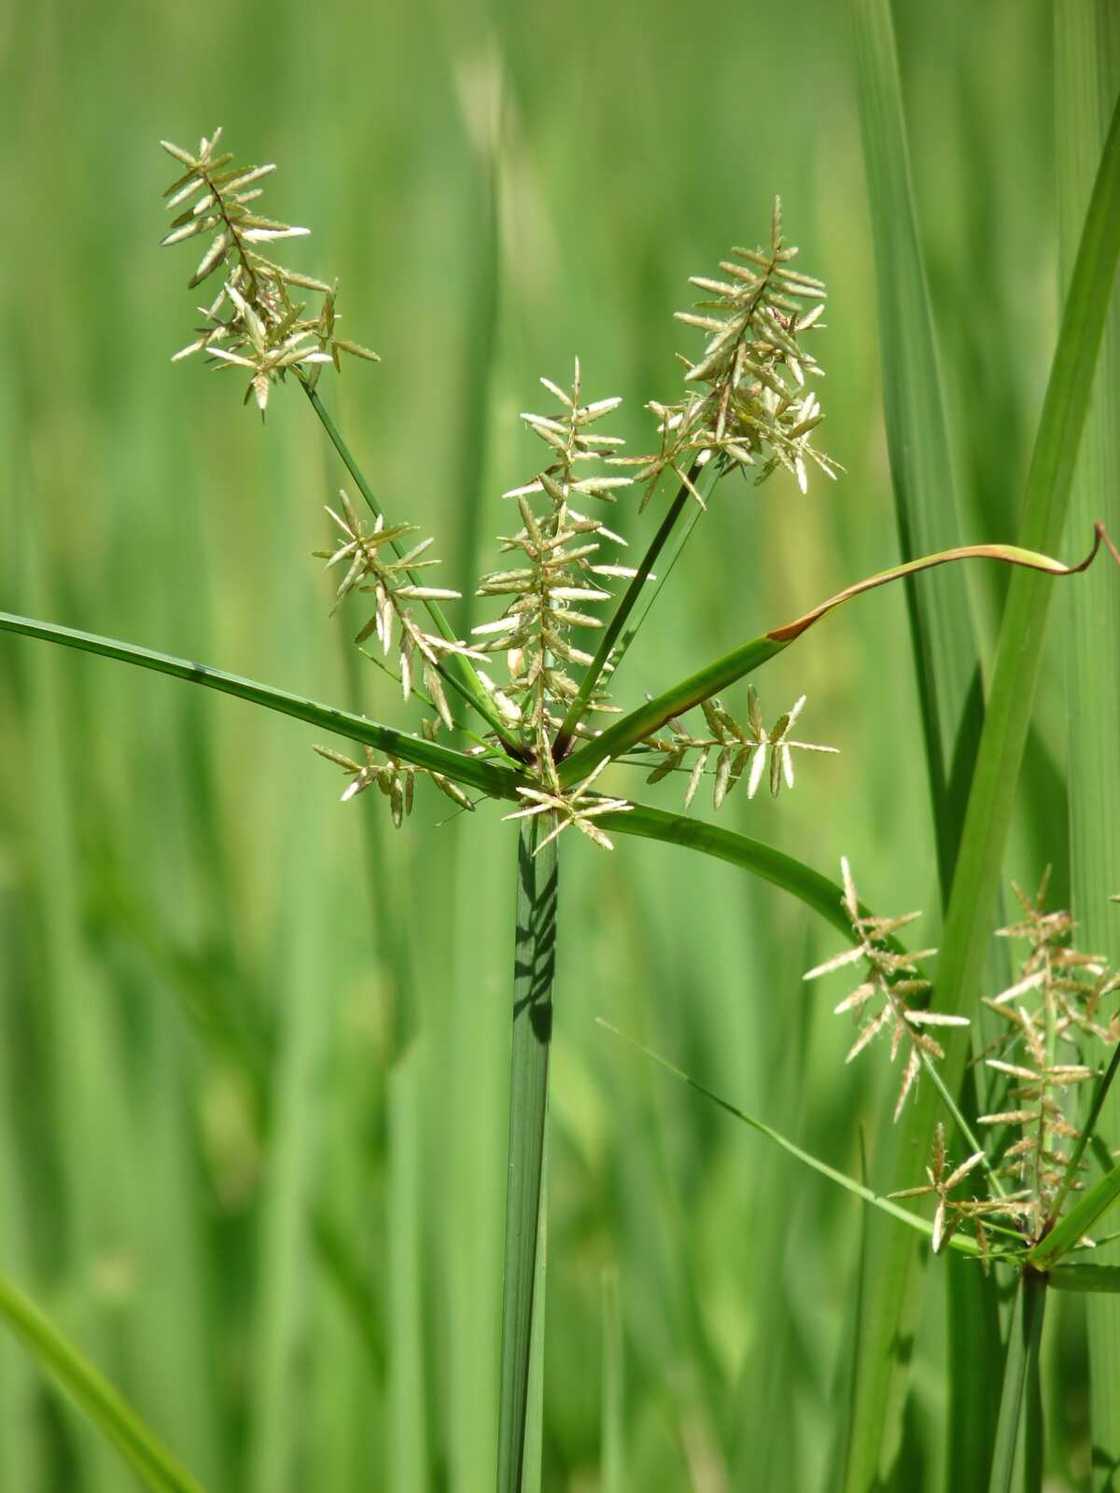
524 710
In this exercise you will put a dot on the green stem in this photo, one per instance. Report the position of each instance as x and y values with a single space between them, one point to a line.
534 966
94 1396
622 613
1020 1371
459 672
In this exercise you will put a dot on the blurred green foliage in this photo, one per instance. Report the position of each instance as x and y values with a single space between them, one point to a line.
254 1047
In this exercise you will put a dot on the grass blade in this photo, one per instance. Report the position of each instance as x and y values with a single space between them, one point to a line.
534 968
457 765
1087 77
94 1396
288 1204
988 818
941 625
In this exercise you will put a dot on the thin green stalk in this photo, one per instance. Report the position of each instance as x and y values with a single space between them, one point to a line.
534 968
962 1243
471 771
622 612
880 1371
1020 1369
94 1396
459 672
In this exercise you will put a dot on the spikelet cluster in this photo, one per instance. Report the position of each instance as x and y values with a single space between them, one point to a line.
748 405
255 322
884 1000
576 808
727 748
1054 1014
952 1212
374 564
395 779
562 573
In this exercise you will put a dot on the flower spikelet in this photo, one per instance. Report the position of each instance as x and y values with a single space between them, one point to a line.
1054 1013
255 322
731 749
748 404
943 1179
395 779
562 575
577 806
373 565
884 999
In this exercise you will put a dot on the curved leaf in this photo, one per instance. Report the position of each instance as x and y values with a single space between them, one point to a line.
742 661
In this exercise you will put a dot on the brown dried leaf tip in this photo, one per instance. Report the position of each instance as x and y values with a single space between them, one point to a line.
254 322
883 999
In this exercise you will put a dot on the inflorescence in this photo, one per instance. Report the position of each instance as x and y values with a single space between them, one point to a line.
746 405
1058 1014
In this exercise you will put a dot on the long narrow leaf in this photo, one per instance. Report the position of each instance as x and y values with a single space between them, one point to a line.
997 769
455 765
742 661
945 652
94 1396
943 634
1086 81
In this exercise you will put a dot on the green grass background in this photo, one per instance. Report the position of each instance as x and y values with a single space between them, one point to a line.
253 1047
